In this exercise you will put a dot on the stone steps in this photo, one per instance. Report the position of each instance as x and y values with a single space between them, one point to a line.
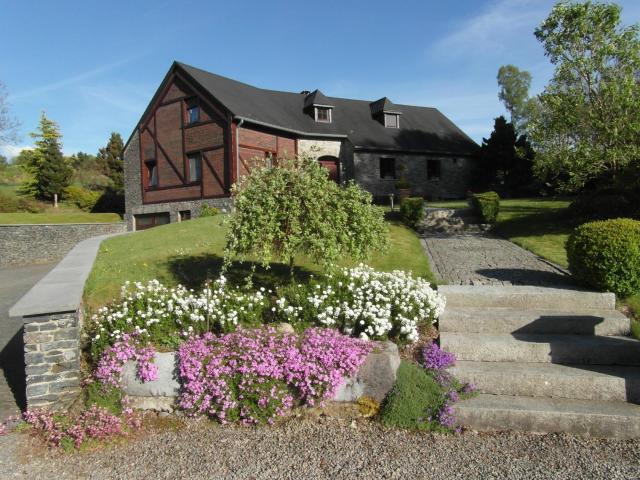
582 382
509 320
543 348
525 298
544 415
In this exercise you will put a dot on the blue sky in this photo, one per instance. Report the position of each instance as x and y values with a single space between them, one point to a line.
93 66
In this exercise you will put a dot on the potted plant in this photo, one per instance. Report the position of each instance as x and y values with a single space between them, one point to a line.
404 187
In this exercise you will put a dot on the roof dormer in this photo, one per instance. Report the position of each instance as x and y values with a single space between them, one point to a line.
317 104
385 112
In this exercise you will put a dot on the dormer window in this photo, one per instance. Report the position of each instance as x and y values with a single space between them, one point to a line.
392 120
323 114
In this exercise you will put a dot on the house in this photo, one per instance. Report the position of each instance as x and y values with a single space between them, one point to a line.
201 132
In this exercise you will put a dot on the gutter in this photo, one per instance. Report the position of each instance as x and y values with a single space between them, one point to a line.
289 130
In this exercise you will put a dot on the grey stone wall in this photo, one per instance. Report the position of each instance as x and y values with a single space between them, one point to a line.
21 244
51 354
455 174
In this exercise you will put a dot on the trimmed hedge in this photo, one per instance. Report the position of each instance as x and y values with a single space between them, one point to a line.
606 255
487 205
412 210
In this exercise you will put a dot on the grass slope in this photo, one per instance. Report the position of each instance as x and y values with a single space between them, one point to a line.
190 252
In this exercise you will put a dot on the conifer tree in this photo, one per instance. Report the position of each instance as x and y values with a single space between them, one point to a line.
111 162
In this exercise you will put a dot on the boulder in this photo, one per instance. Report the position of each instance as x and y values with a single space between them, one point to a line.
166 385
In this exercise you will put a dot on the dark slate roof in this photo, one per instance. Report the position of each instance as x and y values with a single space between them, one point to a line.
384 105
317 98
422 129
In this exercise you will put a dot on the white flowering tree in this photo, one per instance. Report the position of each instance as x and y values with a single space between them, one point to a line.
294 209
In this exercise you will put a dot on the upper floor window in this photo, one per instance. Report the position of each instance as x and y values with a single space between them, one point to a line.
388 168
195 167
433 169
193 113
323 114
391 120
152 173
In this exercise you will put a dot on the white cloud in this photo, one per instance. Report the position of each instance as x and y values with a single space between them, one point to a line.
12 151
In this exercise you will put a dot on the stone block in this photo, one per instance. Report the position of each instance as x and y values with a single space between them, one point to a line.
375 378
33 358
165 386
58 345
37 337
158 404
37 390
69 333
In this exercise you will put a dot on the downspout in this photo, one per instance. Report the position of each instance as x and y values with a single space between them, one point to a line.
240 122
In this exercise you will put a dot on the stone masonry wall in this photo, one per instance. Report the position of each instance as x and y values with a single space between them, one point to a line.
21 244
51 354
455 174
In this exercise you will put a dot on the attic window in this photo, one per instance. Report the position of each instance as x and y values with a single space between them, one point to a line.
193 112
323 114
392 120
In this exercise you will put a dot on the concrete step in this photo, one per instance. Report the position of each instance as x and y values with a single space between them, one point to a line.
547 415
567 349
507 320
525 297
585 382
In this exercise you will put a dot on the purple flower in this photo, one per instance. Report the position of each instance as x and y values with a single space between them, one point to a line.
434 358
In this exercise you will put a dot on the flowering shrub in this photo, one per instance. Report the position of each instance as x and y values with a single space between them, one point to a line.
364 303
255 375
165 316
111 364
436 361
93 423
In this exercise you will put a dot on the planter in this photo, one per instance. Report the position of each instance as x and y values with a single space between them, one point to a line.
374 379
404 193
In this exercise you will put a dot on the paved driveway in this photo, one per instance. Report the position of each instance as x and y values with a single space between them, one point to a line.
14 282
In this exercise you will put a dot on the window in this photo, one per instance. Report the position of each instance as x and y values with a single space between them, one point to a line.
150 220
185 215
323 114
193 113
391 120
433 169
195 167
388 168
152 173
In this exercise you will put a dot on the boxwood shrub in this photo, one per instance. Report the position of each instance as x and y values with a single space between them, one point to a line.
487 205
411 210
606 255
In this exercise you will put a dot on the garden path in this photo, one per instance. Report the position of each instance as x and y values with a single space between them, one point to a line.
14 283
486 260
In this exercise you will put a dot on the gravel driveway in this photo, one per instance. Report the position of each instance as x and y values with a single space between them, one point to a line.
327 448
487 260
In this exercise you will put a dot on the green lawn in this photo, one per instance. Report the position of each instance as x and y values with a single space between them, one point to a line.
190 252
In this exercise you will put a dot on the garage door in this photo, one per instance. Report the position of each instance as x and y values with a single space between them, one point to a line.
150 220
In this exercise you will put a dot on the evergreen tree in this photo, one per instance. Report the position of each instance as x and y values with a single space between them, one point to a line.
506 161
111 162
50 171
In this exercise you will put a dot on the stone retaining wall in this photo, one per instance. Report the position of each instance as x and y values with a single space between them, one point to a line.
22 244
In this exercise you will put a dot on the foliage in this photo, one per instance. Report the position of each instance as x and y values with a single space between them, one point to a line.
605 203
506 161
80 197
209 211
588 125
402 183
514 93
103 396
68 432
49 170
111 162
412 211
295 209
253 376
163 316
364 303
487 205
11 204
110 201
606 255
55 215
8 124
87 172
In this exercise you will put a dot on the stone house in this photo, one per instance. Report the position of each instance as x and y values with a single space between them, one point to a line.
202 132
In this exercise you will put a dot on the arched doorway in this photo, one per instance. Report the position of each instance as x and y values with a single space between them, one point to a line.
332 164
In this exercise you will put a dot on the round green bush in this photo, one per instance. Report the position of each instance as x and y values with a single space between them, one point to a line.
606 255
412 210
487 205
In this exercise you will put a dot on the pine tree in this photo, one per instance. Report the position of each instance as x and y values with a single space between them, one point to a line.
111 162
50 171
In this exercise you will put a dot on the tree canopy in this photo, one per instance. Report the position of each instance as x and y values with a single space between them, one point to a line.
514 93
111 162
588 125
